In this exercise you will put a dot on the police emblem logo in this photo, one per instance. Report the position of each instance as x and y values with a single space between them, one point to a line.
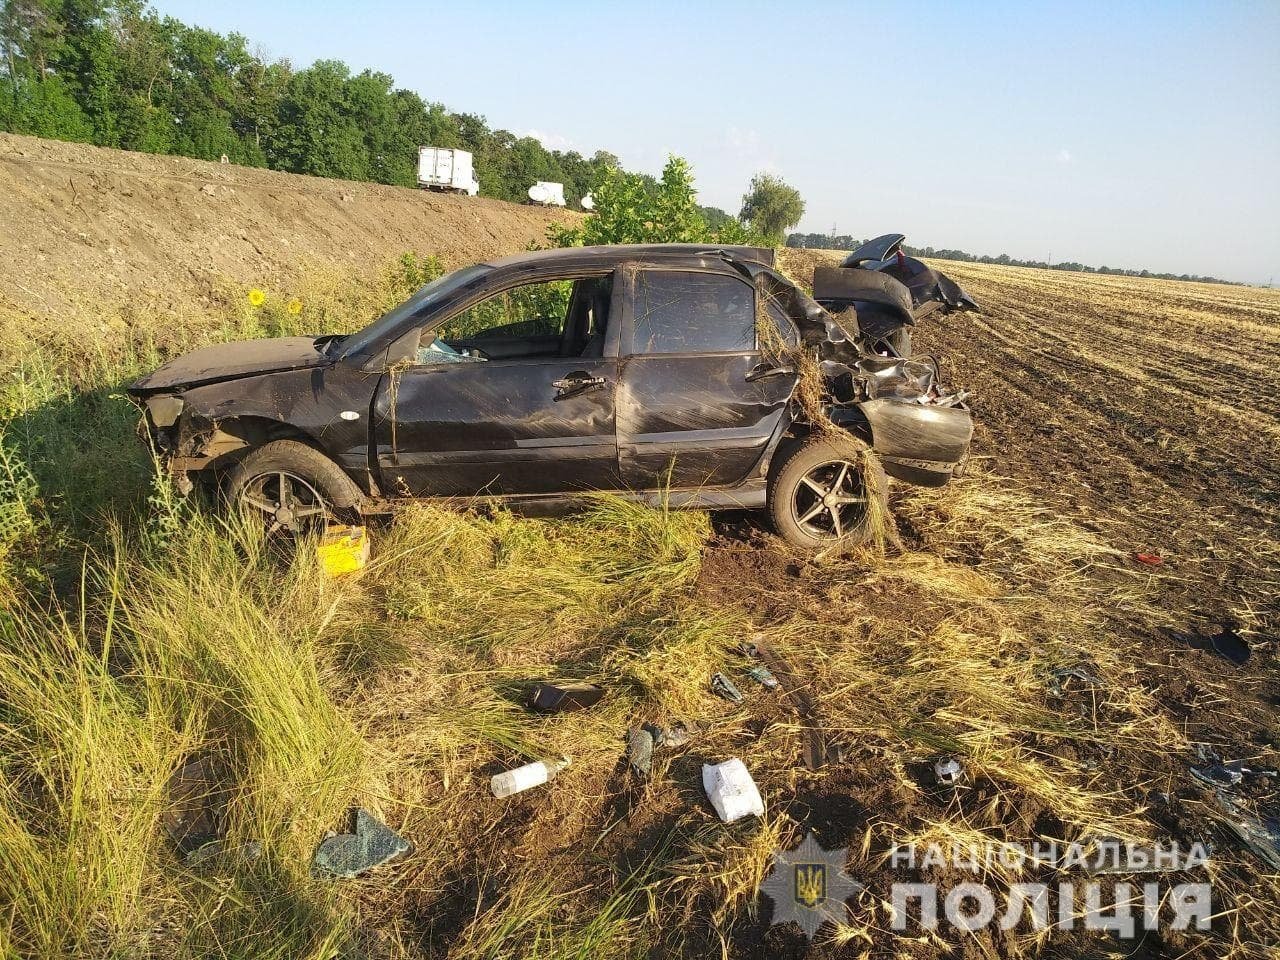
808 885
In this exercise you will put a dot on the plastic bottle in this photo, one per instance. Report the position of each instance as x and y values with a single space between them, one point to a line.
534 774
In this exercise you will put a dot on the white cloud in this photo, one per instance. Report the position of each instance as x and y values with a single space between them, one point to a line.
1065 157
552 141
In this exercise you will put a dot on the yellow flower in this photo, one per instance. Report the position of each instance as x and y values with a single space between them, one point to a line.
294 306
256 297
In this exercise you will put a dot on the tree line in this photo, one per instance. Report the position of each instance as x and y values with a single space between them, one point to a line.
117 74
821 241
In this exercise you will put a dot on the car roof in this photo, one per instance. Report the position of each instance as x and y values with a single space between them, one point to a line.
576 257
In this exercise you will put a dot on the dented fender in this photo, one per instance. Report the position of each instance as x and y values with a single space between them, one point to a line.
328 406
918 443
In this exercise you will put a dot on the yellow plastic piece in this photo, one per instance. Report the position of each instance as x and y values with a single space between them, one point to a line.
343 550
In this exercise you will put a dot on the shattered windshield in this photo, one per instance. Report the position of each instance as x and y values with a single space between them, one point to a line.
435 292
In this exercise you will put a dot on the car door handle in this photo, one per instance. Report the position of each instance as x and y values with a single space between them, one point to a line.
762 370
575 383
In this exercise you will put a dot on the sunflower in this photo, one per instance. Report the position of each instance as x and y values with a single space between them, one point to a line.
256 297
294 306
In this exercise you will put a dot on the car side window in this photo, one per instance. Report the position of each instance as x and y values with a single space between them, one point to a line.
531 310
687 312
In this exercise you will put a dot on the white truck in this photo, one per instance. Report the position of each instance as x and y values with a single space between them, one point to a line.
447 169
548 194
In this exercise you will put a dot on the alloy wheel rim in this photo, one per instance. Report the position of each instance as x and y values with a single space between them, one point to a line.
830 501
287 504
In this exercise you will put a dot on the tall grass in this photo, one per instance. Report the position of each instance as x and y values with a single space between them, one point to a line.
200 648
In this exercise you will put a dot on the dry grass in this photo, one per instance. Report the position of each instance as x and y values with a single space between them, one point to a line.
400 690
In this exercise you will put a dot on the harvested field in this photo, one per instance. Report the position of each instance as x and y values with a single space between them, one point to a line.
140 632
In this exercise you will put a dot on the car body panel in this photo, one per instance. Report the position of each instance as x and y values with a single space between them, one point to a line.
328 404
875 251
695 420
232 361
457 429
888 292
692 420
918 443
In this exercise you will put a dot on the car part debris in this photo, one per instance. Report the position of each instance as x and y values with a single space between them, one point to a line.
343 550
511 782
1261 834
949 772
197 805
1148 559
371 845
1221 638
1218 774
1224 775
244 852
883 293
1058 677
562 696
722 686
763 676
676 736
749 650
640 742
731 790
814 751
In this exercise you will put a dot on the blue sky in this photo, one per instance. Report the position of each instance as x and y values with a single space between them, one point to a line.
1136 135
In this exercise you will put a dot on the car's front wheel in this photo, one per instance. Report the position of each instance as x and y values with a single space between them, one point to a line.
826 492
293 489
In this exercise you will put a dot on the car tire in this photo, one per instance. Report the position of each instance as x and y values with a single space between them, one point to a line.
313 480
803 517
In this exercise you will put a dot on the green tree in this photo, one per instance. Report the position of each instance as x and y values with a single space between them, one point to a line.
317 132
34 98
146 46
771 207
116 73
634 208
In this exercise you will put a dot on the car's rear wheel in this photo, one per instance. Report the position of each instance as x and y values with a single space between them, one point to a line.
292 489
826 492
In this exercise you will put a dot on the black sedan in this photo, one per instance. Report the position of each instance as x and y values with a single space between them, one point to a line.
674 372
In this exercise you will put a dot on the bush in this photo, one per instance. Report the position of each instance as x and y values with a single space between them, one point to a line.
632 208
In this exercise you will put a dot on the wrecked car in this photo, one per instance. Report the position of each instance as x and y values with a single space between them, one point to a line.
890 291
667 373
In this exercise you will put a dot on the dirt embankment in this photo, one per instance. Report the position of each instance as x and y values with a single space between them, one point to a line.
85 229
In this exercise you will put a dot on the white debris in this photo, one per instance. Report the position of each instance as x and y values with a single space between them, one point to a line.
731 790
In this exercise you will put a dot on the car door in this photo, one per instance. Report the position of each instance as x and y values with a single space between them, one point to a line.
532 422
692 407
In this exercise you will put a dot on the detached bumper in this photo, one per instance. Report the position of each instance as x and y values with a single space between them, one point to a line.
918 443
